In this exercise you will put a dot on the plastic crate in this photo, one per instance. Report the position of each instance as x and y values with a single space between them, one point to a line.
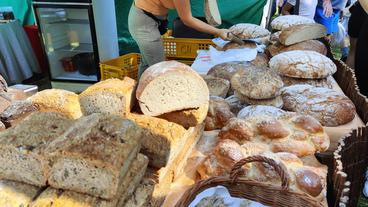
185 47
126 65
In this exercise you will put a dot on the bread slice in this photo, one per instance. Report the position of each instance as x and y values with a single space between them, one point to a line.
112 96
169 86
93 155
22 148
55 198
212 12
302 32
58 101
15 194
142 195
160 138
16 112
189 117
217 86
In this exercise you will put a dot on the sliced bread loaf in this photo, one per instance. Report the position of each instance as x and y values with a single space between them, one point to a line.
170 86
22 147
93 155
112 96
16 194
58 101
302 32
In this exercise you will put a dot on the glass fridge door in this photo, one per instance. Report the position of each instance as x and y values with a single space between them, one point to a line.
68 42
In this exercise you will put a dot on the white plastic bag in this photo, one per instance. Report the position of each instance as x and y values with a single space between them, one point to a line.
245 54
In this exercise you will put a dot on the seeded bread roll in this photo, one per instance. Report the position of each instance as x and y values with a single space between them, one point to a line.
303 64
170 86
217 86
276 102
58 101
249 31
323 82
303 32
286 21
329 107
309 45
22 147
112 96
257 83
218 114
99 156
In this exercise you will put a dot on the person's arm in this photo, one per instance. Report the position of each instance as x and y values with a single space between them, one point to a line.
185 14
286 9
327 8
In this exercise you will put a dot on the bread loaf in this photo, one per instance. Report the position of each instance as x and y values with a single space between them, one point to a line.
259 110
218 114
58 101
323 82
261 60
228 69
112 96
188 117
160 138
168 86
235 104
212 12
99 155
298 134
3 85
309 45
22 147
275 37
217 86
249 31
142 195
286 21
303 64
234 45
329 107
276 102
16 112
302 32
257 83
15 194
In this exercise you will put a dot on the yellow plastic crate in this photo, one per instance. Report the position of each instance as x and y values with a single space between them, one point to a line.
126 65
185 47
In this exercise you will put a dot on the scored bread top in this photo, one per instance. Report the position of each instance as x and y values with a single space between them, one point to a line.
113 85
285 21
249 31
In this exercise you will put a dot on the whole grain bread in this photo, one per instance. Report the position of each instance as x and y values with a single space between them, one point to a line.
168 86
302 32
22 148
329 107
309 45
58 101
218 114
16 112
217 86
93 155
257 83
112 96
276 102
286 21
142 194
16 194
303 64
249 31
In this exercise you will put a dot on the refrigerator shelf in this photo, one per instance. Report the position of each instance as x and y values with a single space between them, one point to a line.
75 76
71 21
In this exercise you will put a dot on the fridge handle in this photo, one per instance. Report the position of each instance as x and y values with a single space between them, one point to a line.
62 3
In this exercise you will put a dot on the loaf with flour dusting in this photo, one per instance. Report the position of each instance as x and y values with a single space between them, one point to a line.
285 21
217 86
322 82
276 102
218 114
310 45
249 31
259 110
228 69
329 107
303 64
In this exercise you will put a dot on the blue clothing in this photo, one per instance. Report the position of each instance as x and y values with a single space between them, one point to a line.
336 4
329 22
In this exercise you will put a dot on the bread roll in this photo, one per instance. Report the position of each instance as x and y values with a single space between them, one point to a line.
249 31
329 107
168 86
286 21
303 64
303 32
218 114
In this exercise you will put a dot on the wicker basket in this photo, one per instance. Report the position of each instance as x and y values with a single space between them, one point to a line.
252 190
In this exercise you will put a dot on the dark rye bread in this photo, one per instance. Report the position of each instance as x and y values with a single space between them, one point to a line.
16 112
93 155
22 148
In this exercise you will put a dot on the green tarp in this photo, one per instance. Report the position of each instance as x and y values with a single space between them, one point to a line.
232 12
22 10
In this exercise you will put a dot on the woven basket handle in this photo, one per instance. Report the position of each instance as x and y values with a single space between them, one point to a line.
278 167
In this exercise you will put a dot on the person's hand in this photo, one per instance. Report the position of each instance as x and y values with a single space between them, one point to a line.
327 8
225 34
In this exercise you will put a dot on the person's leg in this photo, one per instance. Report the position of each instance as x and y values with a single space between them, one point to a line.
144 31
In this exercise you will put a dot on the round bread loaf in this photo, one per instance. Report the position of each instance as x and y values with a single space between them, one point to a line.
249 31
257 83
234 45
259 110
329 107
309 45
275 37
170 86
218 114
3 85
323 82
217 86
303 64
276 102
235 104
228 69
285 21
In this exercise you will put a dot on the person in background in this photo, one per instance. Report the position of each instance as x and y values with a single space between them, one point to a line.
328 14
148 21
307 8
